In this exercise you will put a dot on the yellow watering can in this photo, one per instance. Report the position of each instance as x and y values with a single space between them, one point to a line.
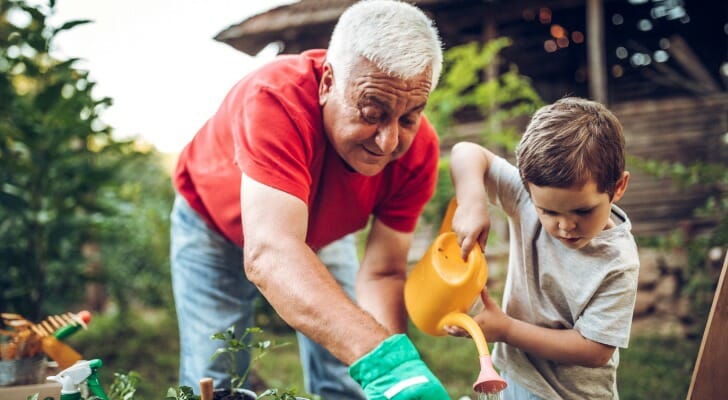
441 288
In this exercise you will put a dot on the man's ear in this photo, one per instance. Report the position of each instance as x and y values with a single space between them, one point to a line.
327 84
620 187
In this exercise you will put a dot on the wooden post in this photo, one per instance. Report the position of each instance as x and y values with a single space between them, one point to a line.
490 32
595 51
710 376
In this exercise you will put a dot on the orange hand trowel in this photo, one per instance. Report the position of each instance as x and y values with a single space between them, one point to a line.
441 288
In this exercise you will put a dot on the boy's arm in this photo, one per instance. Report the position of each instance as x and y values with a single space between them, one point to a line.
565 346
469 165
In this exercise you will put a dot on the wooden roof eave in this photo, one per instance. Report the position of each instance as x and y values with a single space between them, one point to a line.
291 22
283 23
287 22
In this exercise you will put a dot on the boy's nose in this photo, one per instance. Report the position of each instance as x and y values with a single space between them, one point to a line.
566 225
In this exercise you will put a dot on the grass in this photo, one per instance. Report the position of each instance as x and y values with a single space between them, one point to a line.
656 368
652 367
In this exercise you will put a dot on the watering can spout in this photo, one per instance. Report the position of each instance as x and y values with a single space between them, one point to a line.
488 381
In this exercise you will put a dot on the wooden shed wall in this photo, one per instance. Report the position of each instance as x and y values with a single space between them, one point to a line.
677 129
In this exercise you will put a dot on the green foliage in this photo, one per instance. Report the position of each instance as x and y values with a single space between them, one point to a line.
444 191
181 393
53 159
500 102
64 181
277 395
235 346
124 386
135 238
497 101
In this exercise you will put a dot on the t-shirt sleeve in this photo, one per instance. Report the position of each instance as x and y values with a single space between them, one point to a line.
270 146
504 186
607 318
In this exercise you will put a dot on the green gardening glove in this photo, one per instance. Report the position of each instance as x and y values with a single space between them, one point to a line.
395 371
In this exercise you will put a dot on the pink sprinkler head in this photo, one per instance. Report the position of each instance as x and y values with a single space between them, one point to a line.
489 381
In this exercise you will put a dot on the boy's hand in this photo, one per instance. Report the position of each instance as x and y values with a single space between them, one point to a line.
471 223
395 371
492 321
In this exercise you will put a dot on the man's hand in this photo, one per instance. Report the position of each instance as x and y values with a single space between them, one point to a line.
395 371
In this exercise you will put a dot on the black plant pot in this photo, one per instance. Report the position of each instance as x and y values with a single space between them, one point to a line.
236 394
239 394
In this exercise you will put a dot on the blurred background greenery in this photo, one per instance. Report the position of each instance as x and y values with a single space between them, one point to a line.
84 223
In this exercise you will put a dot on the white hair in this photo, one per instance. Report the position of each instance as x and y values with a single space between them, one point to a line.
396 36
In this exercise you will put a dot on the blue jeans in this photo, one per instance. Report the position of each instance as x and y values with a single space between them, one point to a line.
211 293
514 391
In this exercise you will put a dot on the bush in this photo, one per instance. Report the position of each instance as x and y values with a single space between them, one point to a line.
68 186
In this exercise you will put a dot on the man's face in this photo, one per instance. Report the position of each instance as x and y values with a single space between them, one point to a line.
576 214
374 119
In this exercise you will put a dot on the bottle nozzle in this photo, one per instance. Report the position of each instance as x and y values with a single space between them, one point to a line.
93 380
76 374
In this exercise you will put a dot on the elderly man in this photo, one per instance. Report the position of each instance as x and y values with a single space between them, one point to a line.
301 154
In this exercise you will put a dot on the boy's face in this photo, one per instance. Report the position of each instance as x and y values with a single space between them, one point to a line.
576 214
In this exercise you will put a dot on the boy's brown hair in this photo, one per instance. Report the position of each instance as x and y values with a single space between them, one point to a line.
570 141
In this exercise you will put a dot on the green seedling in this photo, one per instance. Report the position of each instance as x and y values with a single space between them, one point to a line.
235 346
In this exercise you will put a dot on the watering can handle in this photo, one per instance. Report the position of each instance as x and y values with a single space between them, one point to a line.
447 219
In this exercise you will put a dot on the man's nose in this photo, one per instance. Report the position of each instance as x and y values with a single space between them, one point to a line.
387 138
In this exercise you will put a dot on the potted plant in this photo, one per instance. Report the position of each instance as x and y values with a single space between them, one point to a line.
232 349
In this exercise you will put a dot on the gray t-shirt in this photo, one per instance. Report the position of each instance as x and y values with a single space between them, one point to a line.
591 290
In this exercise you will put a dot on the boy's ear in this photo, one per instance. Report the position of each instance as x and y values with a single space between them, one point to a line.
620 187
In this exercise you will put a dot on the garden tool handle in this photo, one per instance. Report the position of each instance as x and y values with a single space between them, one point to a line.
60 352
66 331
449 213
466 322
206 389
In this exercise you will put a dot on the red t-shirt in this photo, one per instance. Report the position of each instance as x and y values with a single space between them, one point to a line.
270 127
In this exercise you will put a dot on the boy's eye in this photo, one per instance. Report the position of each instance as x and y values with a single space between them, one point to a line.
548 212
583 211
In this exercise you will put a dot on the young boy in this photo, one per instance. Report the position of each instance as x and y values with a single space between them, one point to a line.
572 273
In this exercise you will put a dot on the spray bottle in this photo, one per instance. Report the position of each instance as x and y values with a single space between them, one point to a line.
70 379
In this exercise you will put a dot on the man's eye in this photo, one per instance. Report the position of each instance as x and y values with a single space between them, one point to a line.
407 121
370 115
